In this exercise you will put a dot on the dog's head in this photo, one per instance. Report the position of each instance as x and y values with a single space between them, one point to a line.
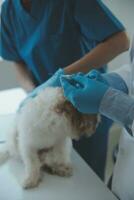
83 124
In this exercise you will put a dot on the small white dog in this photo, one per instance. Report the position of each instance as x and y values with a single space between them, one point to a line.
42 135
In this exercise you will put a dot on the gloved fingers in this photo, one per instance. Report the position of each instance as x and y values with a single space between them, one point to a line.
38 89
69 89
93 74
73 80
96 75
67 83
71 86
77 83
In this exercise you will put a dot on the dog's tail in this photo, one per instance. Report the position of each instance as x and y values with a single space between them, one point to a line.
4 153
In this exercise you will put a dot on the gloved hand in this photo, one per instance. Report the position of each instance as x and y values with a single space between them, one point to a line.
54 81
84 92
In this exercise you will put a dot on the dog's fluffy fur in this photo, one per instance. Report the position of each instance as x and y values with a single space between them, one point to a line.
42 135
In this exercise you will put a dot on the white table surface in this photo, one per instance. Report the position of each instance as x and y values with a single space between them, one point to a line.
84 184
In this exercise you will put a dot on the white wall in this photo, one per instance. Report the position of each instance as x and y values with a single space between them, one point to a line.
0 2
7 76
124 9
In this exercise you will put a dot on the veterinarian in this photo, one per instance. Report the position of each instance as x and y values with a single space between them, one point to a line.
116 105
46 39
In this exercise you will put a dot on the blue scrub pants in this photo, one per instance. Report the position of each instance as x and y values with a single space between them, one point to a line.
94 149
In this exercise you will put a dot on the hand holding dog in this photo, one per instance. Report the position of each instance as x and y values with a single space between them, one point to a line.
86 95
54 81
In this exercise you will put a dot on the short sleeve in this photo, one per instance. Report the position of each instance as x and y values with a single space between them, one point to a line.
8 50
96 21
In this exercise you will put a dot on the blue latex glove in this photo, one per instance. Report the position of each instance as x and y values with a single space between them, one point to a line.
83 92
54 81
112 79
96 75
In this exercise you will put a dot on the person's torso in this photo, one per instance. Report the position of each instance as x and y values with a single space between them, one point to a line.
48 38
123 174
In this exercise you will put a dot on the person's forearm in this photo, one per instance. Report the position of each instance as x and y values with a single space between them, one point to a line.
118 106
101 54
115 81
24 77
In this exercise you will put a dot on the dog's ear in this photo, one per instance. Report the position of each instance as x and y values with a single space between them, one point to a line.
64 106
89 124
83 124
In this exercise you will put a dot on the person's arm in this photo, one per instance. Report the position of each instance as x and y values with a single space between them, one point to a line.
24 76
81 90
118 106
101 54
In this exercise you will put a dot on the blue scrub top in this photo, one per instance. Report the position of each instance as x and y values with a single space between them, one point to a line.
54 34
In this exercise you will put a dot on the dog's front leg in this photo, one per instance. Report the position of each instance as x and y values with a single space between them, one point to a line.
32 166
58 161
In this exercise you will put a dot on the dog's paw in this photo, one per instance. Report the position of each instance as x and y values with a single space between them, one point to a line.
31 182
65 170
62 170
